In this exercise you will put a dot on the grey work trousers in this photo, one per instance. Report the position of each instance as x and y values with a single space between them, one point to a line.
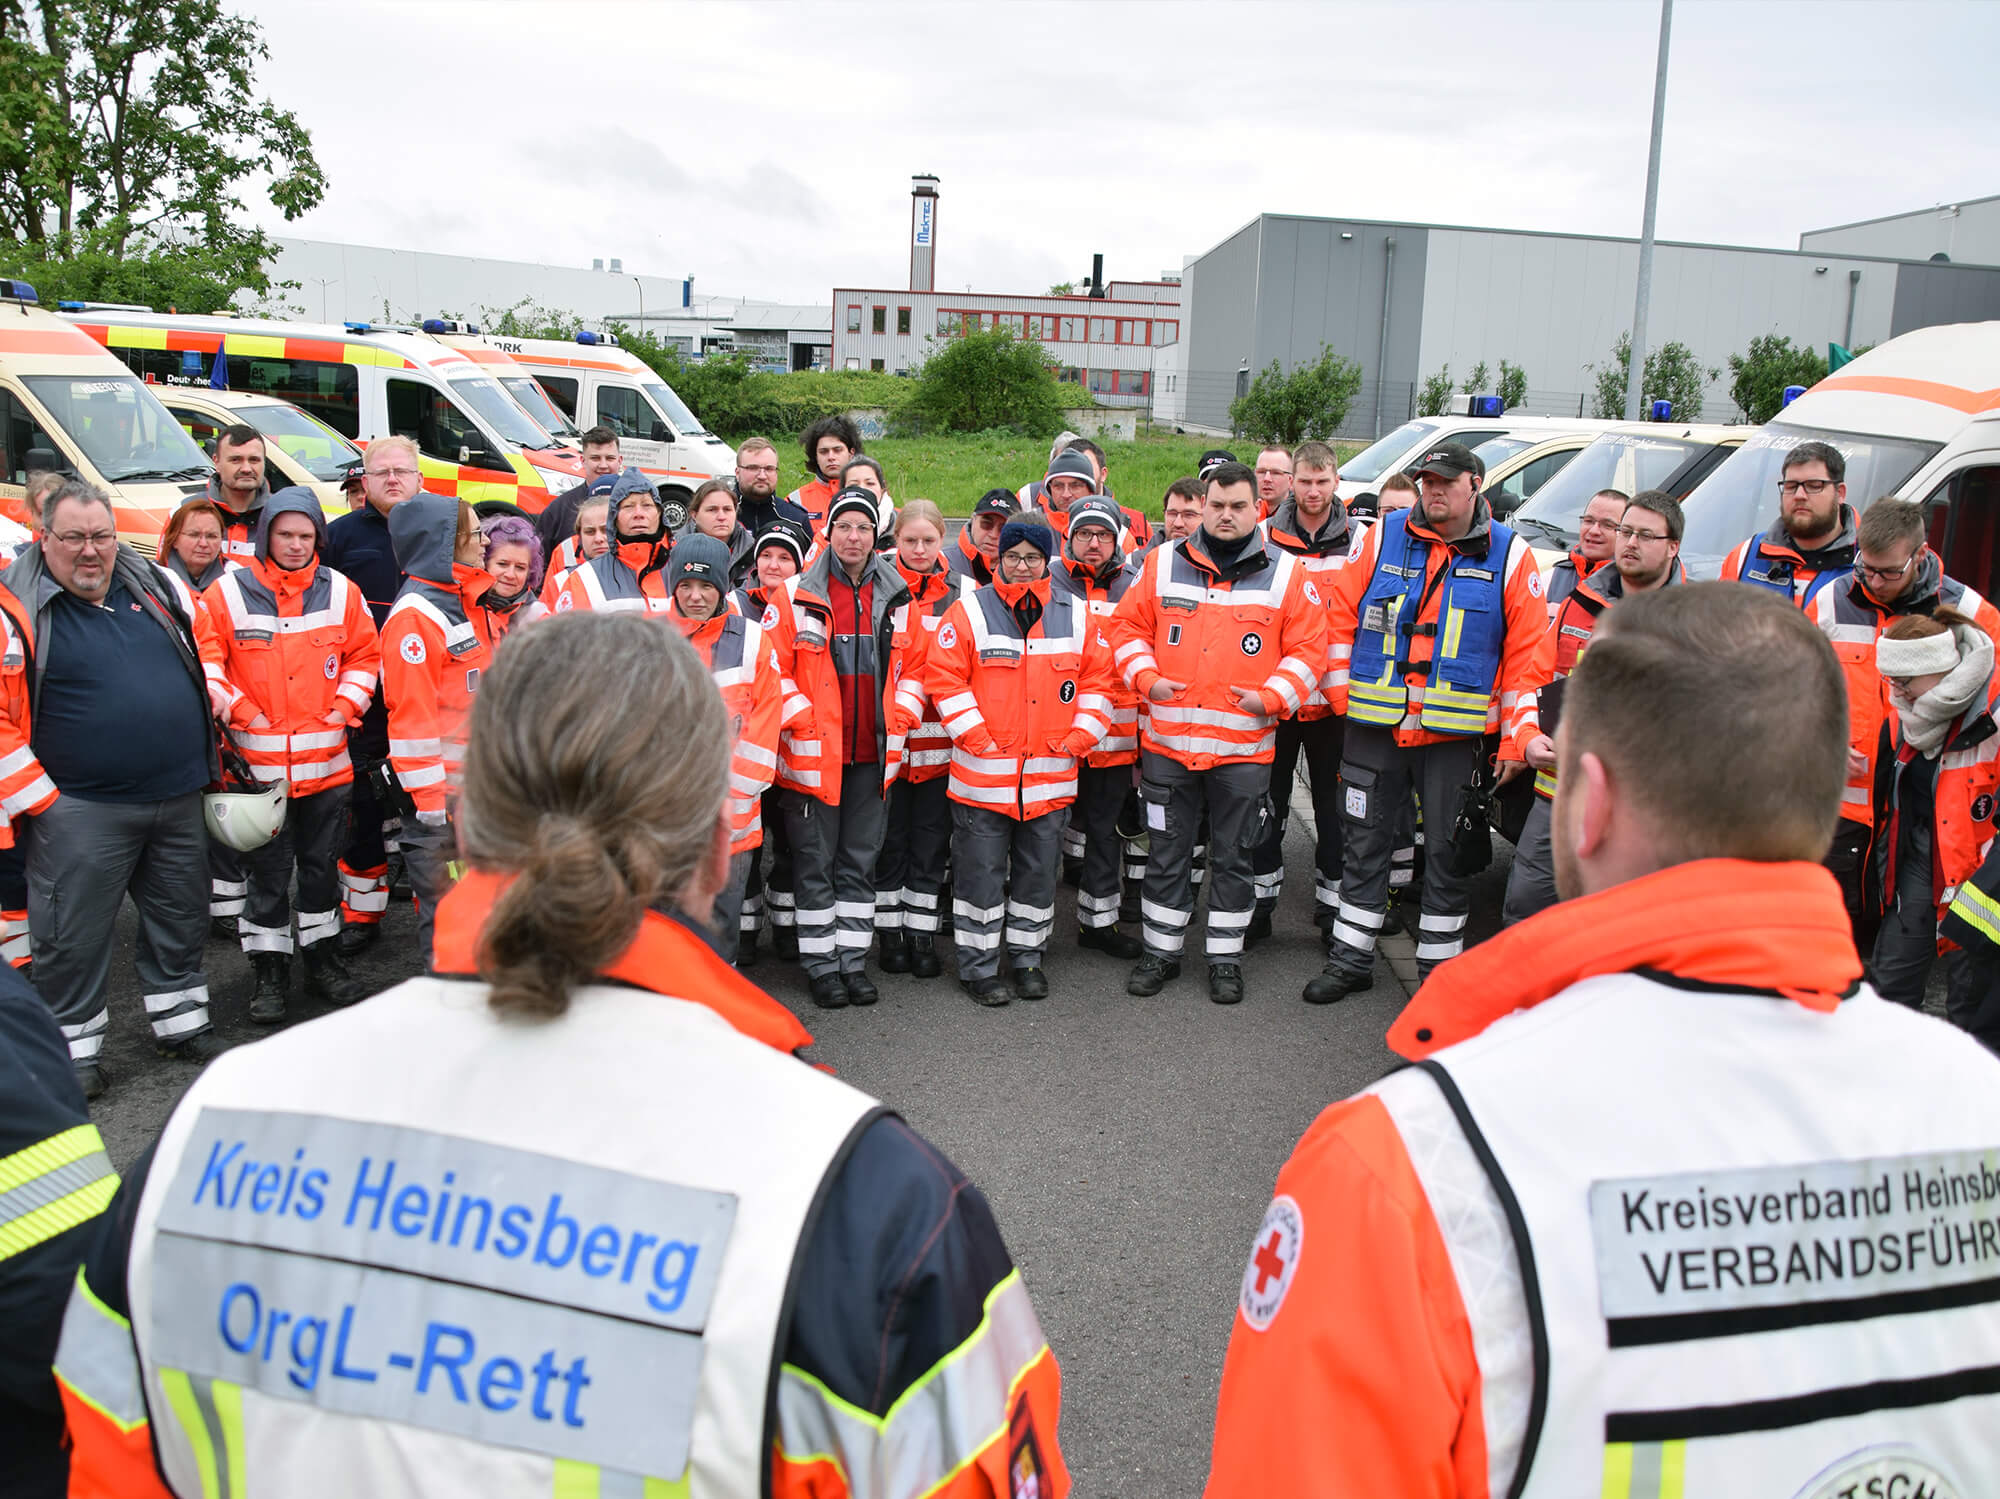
84 857
228 886
1319 740
833 870
315 831
1378 776
1100 795
1003 887
726 919
1906 942
1236 796
430 857
915 858
1531 883
769 891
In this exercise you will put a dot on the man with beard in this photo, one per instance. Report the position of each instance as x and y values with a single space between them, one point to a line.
1648 556
1894 574
977 548
1811 544
757 499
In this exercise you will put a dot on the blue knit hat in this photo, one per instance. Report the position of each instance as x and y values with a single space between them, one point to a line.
1032 530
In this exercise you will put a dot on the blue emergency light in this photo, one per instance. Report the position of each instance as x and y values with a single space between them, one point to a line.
72 306
17 291
1663 411
587 337
1487 406
450 325
359 327
1792 393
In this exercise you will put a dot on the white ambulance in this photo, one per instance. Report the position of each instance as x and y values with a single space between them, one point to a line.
596 383
1916 419
364 381
67 406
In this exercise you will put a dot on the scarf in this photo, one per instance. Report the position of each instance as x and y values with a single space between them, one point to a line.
1928 720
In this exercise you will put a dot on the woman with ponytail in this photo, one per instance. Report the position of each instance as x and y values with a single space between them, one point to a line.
1940 871
580 1169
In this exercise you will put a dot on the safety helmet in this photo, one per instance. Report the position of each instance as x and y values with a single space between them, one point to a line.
246 813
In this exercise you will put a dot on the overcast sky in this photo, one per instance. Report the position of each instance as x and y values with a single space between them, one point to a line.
767 148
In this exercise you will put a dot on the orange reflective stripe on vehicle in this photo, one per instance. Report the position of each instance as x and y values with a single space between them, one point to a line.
244 345
71 343
1957 397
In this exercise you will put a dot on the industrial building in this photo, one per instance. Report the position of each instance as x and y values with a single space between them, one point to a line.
1964 233
1407 300
338 283
1118 340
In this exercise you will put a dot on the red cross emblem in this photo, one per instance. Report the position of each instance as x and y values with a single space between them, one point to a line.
1274 1260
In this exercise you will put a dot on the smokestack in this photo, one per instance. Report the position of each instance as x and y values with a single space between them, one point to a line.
923 232
1097 275
617 266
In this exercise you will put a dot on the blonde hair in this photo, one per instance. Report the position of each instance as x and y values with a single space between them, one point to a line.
395 440
919 510
571 787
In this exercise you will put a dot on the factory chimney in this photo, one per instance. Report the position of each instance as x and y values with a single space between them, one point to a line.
923 232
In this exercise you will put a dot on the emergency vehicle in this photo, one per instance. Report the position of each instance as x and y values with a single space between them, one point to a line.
1478 419
67 406
519 383
299 448
364 381
596 383
1628 456
1518 464
1917 418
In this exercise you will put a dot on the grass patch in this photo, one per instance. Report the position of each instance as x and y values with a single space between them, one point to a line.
954 471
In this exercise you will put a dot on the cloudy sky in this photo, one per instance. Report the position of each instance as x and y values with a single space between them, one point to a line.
767 147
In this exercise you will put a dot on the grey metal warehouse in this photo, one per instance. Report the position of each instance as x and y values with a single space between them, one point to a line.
1405 300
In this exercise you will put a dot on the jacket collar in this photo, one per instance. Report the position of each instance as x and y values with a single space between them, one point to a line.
1254 559
666 957
286 582
1921 597
1724 922
1339 531
1607 584
1474 543
974 559
815 583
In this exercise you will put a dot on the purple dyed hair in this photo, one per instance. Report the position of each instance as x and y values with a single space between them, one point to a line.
511 530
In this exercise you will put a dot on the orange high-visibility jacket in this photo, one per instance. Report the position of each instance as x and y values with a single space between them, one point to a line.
1852 619
631 576
1364 1377
1322 559
435 647
1020 708
25 788
1772 559
1964 800
1102 595
1513 714
296 645
1259 623
799 620
927 743
746 671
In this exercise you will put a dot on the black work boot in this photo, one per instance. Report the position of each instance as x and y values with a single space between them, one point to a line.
1336 982
746 950
274 982
223 929
1029 982
1109 940
329 979
861 989
1260 925
785 942
356 935
1225 983
829 991
203 1047
1151 974
893 947
990 992
92 1078
924 961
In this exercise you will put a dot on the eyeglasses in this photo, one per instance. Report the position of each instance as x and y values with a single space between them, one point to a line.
1804 486
78 541
1595 523
756 468
391 473
1886 574
1633 533
1273 473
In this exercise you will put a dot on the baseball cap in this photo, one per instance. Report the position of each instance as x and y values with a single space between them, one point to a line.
1448 460
996 502
601 486
1213 458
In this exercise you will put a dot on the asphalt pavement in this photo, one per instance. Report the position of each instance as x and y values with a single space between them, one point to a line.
1128 1146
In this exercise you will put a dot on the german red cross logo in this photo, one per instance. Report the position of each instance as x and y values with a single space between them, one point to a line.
1274 1258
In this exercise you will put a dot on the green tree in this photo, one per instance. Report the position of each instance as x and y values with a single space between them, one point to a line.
1435 393
987 382
1475 379
1513 388
528 318
1763 371
1309 403
1672 373
1063 289
129 132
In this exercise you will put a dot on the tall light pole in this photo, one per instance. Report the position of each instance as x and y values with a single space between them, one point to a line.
1638 366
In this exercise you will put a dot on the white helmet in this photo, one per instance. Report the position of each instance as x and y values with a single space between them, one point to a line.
245 814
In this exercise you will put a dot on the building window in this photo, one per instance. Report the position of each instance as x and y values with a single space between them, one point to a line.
1069 374
950 324
853 363
1100 330
879 323
875 364
1072 330
1165 331
903 320
1131 330
1014 322
853 319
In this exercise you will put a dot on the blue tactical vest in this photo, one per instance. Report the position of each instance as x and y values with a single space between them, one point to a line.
1466 640
1776 573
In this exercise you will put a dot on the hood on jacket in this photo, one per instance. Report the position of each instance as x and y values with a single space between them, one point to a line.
294 499
423 529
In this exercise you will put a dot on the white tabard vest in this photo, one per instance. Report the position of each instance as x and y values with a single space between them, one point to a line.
410 1249
1712 1244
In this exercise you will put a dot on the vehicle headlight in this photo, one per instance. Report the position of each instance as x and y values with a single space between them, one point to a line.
557 482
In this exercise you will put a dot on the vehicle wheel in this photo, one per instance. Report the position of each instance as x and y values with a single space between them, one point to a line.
487 509
674 508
